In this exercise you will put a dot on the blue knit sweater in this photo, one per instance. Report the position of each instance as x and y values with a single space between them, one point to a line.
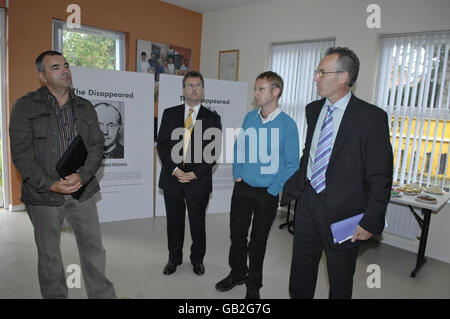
266 155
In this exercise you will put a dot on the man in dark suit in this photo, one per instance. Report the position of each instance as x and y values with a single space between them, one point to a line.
345 170
186 174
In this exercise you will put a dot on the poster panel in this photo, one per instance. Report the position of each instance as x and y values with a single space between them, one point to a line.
124 105
229 100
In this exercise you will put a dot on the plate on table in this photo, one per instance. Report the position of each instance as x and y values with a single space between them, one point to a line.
415 186
426 199
411 191
434 190
396 193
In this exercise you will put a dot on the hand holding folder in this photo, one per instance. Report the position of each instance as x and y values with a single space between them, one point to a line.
343 230
72 159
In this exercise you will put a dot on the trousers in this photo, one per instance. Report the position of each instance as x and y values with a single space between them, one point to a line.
83 219
309 242
176 202
255 206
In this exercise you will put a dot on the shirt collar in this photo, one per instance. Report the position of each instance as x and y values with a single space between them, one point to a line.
196 107
342 103
49 95
271 116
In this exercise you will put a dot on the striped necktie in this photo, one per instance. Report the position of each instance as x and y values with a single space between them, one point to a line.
188 125
323 152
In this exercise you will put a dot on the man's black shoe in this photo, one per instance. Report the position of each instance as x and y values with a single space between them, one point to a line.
199 269
252 294
228 284
170 268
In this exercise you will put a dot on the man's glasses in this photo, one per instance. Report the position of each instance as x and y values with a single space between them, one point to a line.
194 85
260 89
322 73
109 126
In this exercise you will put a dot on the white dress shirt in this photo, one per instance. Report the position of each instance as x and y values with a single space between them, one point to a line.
193 115
338 113
269 117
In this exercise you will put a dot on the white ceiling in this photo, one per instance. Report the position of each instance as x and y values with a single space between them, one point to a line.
204 6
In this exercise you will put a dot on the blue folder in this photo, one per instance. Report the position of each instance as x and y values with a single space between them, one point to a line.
343 230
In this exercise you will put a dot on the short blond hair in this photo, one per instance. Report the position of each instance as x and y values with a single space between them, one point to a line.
274 79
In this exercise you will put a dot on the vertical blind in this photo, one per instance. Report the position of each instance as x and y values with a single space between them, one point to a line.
413 88
295 63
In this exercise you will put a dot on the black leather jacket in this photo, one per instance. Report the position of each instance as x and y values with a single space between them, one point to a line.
35 146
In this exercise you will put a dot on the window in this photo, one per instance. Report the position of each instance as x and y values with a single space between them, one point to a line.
90 47
442 163
295 63
427 165
413 88
4 189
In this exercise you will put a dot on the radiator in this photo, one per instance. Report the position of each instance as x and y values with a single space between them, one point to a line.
401 222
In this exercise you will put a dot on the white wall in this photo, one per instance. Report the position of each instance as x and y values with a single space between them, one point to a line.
253 28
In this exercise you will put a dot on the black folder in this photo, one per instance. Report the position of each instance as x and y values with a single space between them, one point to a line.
72 159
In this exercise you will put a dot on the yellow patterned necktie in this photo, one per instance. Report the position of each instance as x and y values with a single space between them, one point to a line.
188 125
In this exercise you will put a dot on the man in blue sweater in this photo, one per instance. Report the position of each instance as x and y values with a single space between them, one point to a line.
266 155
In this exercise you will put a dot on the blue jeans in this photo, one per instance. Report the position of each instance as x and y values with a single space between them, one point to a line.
83 219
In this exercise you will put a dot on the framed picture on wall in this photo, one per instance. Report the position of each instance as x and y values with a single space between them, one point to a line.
229 65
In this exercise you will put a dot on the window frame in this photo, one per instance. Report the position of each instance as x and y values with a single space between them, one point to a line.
4 126
59 26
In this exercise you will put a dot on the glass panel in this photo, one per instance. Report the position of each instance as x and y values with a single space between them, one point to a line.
89 50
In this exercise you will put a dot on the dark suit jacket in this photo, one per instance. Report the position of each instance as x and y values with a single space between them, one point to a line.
172 119
117 152
359 173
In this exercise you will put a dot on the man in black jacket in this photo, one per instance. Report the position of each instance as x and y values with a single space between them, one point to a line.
43 124
345 170
186 173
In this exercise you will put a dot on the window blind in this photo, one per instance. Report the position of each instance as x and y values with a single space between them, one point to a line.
413 88
295 63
